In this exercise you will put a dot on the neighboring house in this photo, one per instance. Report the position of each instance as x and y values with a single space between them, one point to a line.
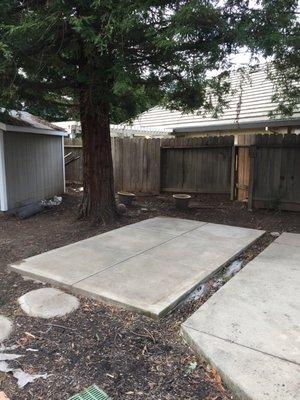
148 132
73 128
247 112
31 160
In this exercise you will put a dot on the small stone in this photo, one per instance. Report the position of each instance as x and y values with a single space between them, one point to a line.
5 328
122 209
48 303
275 234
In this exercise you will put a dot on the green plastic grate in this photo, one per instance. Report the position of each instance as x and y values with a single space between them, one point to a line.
91 393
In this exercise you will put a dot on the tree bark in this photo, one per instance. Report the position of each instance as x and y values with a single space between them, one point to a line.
98 202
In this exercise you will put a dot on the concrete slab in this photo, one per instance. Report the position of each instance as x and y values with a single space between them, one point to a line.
48 303
131 238
5 328
255 315
172 226
250 373
292 239
161 277
225 237
157 280
149 266
70 264
144 283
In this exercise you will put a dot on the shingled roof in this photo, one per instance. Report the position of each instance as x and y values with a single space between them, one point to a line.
249 105
23 121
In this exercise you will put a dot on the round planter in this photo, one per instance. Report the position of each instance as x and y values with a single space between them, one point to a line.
126 198
182 201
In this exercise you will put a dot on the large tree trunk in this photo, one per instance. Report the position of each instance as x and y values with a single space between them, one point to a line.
98 201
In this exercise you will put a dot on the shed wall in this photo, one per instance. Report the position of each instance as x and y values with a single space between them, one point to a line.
33 167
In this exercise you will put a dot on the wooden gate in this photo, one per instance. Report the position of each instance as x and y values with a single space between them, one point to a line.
275 172
199 169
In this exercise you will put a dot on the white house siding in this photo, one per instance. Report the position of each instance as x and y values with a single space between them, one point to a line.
33 167
250 101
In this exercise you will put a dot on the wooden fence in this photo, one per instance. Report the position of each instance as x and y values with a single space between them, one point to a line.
152 165
261 169
74 170
136 164
274 176
197 165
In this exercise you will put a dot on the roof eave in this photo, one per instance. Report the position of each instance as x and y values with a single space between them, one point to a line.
239 125
26 129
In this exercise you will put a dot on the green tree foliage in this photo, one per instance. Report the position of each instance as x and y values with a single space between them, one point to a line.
109 59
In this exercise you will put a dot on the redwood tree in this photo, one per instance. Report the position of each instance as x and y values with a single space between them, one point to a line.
99 58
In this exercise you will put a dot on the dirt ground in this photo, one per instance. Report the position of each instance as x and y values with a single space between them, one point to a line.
128 355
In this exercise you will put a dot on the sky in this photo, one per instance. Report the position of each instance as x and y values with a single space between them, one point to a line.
244 58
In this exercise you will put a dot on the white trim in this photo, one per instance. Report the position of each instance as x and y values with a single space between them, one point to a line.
26 129
225 126
3 188
63 161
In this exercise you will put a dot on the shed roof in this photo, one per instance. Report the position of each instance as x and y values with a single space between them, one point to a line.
22 121
249 104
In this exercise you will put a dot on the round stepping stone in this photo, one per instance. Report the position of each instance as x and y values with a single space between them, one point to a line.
48 303
5 328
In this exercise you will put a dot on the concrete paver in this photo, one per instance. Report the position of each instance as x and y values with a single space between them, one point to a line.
5 328
48 303
149 266
250 328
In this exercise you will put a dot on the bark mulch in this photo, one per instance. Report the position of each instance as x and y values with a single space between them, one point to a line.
130 356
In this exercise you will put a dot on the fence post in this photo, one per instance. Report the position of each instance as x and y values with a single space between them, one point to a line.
159 164
233 173
252 153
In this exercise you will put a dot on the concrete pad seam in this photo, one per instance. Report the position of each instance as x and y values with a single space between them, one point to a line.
241 345
175 235
129 258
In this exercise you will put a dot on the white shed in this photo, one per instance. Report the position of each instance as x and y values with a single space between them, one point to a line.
31 160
